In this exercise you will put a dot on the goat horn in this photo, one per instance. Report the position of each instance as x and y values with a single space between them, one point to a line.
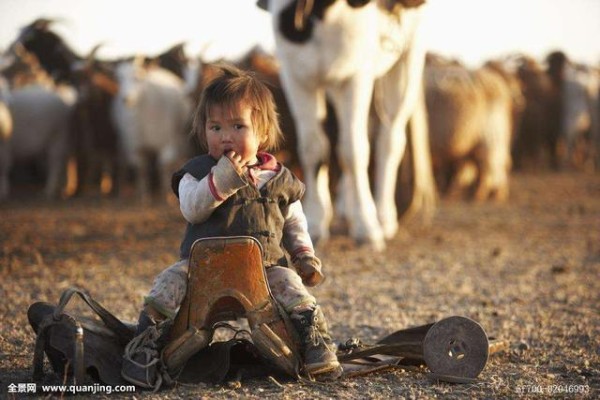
92 55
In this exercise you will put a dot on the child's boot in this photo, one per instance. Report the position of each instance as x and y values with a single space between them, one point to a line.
142 353
315 344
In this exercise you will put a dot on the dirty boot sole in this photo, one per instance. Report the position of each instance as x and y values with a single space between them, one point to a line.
325 370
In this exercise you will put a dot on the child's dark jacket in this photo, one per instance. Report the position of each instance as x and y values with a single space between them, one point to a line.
250 211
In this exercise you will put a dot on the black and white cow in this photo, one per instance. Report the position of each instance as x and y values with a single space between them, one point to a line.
353 51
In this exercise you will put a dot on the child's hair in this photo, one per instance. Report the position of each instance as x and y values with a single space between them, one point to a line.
231 87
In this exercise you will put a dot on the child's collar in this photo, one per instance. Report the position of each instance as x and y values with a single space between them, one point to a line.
266 161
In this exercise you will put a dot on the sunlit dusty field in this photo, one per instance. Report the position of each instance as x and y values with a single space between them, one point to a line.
527 270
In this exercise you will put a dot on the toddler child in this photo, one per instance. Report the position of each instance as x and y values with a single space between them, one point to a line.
238 188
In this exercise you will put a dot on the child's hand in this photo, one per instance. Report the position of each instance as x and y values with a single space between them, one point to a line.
309 269
226 177
236 160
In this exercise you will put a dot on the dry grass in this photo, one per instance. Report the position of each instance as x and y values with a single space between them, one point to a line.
527 270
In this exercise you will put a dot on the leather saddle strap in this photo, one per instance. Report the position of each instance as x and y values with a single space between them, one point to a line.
124 334
405 350
289 328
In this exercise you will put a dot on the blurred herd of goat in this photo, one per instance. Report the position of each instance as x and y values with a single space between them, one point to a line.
81 124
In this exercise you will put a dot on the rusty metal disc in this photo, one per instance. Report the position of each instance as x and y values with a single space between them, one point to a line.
456 346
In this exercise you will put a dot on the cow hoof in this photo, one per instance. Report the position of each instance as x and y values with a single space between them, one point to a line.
389 229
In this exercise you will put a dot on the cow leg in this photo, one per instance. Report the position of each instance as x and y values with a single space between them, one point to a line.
352 101
390 148
425 195
400 92
308 108
397 104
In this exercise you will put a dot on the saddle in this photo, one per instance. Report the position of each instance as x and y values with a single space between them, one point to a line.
226 281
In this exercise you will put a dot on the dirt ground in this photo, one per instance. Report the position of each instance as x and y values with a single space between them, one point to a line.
528 271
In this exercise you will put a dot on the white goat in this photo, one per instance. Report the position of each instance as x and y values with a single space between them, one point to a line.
150 112
40 129
581 113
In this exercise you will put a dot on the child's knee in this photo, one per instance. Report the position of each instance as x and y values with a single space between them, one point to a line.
288 289
168 291
175 272
160 308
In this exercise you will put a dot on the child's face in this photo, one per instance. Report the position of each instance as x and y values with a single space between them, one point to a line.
231 129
